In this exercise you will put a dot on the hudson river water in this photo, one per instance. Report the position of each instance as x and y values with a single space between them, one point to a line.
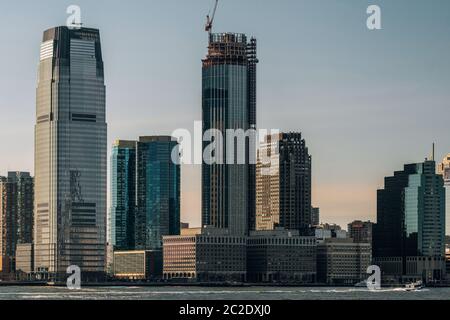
212 293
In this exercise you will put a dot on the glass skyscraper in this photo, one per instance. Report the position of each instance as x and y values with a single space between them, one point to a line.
16 216
411 213
70 154
229 102
157 191
123 195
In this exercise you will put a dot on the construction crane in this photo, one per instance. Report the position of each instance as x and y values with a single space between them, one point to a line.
210 19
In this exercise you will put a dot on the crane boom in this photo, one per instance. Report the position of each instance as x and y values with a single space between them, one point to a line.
210 20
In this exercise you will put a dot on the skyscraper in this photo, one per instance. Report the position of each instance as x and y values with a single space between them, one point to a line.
157 192
283 184
70 154
16 216
411 218
123 195
444 169
229 103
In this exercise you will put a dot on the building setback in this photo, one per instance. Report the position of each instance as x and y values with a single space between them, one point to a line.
411 224
70 154
283 184
229 103
16 216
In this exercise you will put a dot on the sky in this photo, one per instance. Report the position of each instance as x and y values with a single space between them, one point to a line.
367 102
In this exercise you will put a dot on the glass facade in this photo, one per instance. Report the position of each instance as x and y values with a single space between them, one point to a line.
157 192
123 195
70 154
229 102
411 213
16 216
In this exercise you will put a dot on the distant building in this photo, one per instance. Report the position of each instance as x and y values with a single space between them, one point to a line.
281 256
157 192
24 258
342 261
16 216
409 237
138 265
213 256
283 184
360 231
191 231
315 216
123 195
184 225
444 169
328 231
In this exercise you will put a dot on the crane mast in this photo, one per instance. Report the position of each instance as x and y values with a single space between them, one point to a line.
210 19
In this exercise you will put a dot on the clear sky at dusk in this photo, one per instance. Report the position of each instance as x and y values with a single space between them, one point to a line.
366 101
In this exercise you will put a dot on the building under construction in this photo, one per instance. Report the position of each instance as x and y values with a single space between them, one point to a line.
229 102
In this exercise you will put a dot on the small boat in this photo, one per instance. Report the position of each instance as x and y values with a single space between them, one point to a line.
414 286
362 284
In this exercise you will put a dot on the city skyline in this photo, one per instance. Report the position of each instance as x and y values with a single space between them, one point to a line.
383 124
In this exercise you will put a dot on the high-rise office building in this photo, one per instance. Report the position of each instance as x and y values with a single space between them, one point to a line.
411 219
229 103
444 169
315 216
70 154
16 216
283 184
123 195
157 192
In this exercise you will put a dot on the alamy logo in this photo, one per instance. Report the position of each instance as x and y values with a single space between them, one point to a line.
374 20
74 280
74 20
233 146
374 281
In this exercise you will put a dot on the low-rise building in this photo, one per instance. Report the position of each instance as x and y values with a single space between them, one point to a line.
342 261
218 256
24 258
138 265
281 256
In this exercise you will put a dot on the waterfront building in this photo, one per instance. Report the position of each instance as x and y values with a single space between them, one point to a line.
123 195
360 231
229 103
283 184
70 154
16 216
281 256
409 236
157 192
138 265
212 256
24 258
342 261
